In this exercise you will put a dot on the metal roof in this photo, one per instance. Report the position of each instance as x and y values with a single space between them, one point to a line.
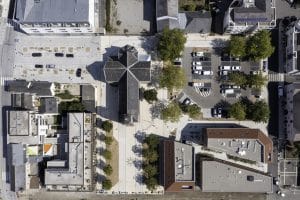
127 71
52 11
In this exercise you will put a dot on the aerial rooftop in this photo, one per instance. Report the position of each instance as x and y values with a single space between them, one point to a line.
222 177
246 143
177 168
52 11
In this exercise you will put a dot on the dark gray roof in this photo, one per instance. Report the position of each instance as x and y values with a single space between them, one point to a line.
88 97
52 11
127 71
17 166
260 12
48 105
198 22
39 88
22 101
166 8
169 23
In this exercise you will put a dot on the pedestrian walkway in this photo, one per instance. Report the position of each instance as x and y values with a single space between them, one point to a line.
276 77
3 80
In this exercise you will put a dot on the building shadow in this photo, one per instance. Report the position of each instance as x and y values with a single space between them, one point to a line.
95 70
273 106
149 10
194 132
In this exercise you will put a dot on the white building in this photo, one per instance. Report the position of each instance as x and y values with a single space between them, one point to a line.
292 63
249 16
55 16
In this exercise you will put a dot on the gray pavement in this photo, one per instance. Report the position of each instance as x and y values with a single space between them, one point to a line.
168 196
283 9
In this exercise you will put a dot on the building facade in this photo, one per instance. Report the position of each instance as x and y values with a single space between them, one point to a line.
292 53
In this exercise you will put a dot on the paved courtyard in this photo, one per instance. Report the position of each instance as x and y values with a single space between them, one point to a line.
133 17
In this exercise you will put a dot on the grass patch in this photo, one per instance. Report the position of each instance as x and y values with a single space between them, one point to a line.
114 161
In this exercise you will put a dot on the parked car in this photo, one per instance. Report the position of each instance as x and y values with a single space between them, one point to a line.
227 91
70 55
196 72
177 61
200 54
197 84
197 68
206 72
59 54
78 72
50 66
254 72
219 112
195 63
216 112
235 68
38 66
36 54
225 67
186 101
224 73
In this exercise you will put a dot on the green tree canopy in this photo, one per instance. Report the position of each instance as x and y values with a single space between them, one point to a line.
259 112
108 140
150 171
256 80
106 154
238 111
193 110
107 126
259 45
150 95
171 113
237 46
150 155
239 79
151 183
171 44
106 184
172 77
152 141
108 169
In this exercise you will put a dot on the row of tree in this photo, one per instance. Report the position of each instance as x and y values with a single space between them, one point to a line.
174 110
107 126
254 47
150 164
247 80
245 109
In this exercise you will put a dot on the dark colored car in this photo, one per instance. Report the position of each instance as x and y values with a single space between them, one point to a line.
69 55
38 66
59 54
78 72
36 54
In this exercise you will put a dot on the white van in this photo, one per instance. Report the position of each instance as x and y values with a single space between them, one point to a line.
225 68
227 91
206 73
197 68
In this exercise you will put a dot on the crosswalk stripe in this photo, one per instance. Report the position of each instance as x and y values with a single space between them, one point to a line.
278 77
5 78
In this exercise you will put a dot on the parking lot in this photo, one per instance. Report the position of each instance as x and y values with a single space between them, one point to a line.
207 74
48 61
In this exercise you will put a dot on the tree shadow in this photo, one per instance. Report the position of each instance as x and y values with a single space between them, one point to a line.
139 178
156 108
140 136
155 75
137 149
219 43
101 164
138 164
